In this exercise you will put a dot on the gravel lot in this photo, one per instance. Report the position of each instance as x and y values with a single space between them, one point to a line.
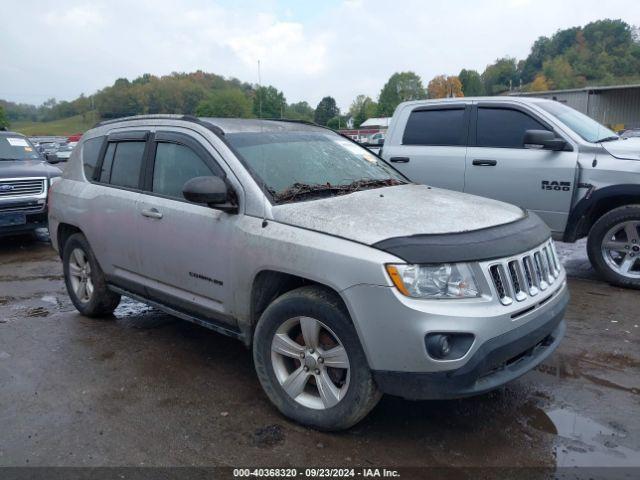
147 389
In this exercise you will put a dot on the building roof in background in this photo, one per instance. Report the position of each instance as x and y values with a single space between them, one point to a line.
376 122
583 89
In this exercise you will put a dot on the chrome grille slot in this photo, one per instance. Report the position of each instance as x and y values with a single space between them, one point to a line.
517 280
537 264
525 276
21 187
502 284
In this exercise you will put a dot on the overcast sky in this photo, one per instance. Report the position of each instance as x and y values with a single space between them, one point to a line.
308 49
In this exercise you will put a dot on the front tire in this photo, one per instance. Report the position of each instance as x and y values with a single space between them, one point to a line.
85 280
614 246
310 362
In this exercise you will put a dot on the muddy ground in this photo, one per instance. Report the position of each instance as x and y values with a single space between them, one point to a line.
147 389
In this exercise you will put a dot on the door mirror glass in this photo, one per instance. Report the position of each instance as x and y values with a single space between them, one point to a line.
210 190
539 139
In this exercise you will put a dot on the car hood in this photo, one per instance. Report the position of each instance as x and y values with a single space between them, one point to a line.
27 168
625 149
371 216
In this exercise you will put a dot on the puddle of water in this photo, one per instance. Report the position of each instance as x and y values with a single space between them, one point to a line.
583 442
593 370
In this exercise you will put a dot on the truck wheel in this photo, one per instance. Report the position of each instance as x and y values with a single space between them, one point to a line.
310 362
85 280
614 246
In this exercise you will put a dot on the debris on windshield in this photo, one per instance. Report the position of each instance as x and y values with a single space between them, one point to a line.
299 190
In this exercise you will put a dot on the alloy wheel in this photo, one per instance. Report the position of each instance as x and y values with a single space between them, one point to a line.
80 275
310 362
621 249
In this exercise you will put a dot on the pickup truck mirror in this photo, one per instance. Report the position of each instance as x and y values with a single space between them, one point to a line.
543 139
212 191
51 158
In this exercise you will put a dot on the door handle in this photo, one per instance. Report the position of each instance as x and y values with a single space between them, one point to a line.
485 163
152 213
399 159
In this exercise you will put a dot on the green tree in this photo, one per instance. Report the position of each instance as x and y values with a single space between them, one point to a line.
4 121
338 122
471 83
269 102
225 103
559 74
401 87
362 108
299 111
500 76
326 110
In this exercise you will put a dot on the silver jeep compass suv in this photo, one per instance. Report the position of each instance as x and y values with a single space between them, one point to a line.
347 280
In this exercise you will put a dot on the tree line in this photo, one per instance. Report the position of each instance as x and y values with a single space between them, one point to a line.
601 52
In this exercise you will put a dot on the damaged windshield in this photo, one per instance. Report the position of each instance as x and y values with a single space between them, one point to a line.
298 165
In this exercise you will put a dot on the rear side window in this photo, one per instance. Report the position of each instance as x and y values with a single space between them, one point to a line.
436 127
90 153
504 128
122 164
174 166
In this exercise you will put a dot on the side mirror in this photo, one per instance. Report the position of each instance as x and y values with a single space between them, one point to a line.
543 139
211 190
51 158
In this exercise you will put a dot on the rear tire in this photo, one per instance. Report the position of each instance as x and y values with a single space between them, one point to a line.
310 362
85 280
614 246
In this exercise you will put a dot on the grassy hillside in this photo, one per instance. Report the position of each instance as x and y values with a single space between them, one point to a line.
63 126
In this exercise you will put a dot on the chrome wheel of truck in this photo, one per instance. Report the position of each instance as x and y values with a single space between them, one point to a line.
614 246
621 249
310 362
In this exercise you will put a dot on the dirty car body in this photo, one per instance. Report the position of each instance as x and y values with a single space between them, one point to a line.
449 294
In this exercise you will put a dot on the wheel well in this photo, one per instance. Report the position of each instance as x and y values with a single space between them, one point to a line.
604 206
269 285
64 232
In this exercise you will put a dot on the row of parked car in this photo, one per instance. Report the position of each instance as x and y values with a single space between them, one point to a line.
349 274
55 149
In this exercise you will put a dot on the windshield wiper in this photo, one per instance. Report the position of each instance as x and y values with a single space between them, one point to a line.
610 138
301 190
365 183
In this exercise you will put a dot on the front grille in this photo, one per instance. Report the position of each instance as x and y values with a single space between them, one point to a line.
31 207
525 276
21 187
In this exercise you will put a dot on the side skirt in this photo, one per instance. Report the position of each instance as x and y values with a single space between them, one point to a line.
211 325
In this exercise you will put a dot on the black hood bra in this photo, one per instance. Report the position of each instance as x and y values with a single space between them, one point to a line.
477 245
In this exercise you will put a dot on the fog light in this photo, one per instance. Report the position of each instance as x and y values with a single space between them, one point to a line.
448 346
438 346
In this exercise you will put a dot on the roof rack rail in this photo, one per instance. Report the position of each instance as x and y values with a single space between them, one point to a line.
163 116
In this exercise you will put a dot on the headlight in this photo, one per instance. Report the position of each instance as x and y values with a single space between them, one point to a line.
447 280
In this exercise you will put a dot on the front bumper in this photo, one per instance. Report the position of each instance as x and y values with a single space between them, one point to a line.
496 362
34 221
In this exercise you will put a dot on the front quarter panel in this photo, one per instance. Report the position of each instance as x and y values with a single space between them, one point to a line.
332 261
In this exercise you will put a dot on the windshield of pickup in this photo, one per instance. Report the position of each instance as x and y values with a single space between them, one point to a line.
17 148
586 127
299 165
